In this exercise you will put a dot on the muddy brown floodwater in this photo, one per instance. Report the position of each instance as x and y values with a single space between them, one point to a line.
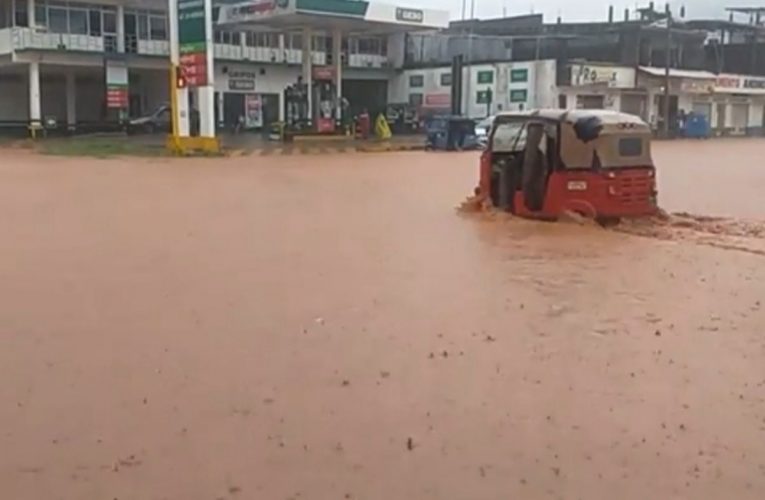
327 327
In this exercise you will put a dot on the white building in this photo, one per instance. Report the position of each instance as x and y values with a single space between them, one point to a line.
732 104
53 55
513 86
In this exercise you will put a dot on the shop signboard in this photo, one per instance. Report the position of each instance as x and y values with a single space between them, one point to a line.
252 11
192 41
416 16
323 73
116 85
739 84
609 76
438 100
253 111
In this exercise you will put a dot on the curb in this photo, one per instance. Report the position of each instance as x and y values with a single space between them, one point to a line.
389 148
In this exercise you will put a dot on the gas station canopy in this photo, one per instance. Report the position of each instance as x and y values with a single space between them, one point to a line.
348 16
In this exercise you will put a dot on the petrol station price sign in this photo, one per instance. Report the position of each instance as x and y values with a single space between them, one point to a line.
192 42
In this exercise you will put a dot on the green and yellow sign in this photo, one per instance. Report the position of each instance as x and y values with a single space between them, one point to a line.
192 41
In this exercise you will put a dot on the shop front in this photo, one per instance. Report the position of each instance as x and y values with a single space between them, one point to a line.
689 92
740 104
249 97
603 86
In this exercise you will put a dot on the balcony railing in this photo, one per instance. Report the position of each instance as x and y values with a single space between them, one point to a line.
26 39
6 45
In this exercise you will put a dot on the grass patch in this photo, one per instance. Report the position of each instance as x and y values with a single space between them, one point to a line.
100 147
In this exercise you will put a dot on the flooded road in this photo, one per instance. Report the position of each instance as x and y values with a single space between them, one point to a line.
328 327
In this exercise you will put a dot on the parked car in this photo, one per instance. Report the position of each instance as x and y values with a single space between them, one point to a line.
158 121
482 130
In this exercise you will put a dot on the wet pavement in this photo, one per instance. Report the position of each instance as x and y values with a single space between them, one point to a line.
329 328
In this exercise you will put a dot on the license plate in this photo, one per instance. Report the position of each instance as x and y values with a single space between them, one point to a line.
577 185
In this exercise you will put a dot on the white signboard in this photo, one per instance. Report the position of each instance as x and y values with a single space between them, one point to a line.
740 84
610 76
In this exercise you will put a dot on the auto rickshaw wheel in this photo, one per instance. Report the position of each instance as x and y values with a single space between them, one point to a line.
607 222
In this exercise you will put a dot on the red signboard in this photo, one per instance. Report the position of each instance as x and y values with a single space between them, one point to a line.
117 97
438 100
326 73
194 69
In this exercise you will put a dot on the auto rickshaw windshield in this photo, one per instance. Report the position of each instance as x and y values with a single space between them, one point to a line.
509 137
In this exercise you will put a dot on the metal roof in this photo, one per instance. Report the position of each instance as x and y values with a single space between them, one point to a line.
678 73
606 116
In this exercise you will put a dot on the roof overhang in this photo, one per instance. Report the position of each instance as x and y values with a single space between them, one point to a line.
348 16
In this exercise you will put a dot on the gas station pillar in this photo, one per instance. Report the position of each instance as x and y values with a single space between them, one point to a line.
308 68
337 61
206 94
182 95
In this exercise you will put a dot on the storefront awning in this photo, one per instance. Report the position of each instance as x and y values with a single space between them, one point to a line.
678 73
348 16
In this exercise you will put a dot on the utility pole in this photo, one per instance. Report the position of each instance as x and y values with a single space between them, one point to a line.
668 47
468 86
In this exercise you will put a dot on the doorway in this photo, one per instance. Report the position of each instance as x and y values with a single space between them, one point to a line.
634 104
233 109
371 95
721 115
590 102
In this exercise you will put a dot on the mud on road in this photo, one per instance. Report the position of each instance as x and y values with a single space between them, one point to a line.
293 328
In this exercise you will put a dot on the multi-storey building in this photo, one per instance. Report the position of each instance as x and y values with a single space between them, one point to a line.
53 55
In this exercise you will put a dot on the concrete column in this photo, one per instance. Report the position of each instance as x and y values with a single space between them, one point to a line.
121 29
221 122
206 104
71 100
283 47
31 14
182 95
35 108
308 67
337 60
206 96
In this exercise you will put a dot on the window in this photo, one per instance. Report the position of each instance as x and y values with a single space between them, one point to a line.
631 146
78 21
519 95
370 46
21 17
320 43
416 81
223 37
270 40
41 14
57 20
519 75
446 79
110 22
296 41
143 26
415 99
157 28
484 96
486 77
95 22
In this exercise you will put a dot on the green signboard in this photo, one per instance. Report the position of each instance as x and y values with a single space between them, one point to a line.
192 41
486 76
519 95
519 75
